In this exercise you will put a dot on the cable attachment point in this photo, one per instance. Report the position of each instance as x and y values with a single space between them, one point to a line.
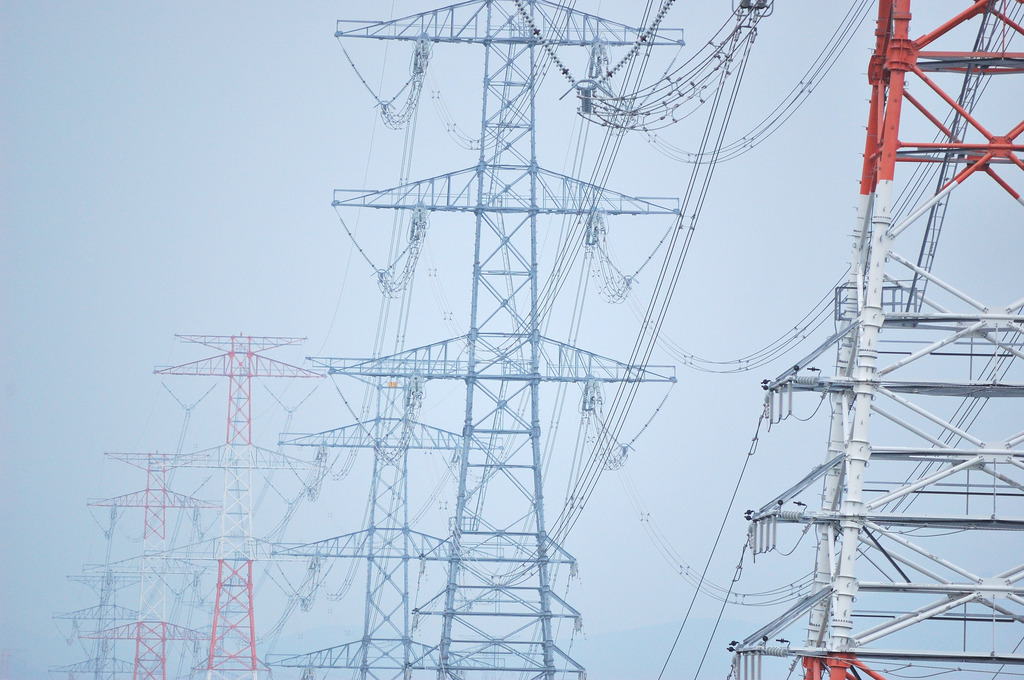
397 118
597 73
762 532
612 285
753 5
392 284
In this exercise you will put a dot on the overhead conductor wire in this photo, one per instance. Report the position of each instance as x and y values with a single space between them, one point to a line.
707 565
668 279
785 109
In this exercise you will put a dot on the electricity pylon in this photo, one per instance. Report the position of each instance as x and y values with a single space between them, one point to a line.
233 638
151 630
104 663
919 556
497 608
388 544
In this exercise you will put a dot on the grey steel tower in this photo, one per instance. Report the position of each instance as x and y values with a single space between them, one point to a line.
497 609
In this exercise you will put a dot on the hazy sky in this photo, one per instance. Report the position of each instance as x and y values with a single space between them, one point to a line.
168 168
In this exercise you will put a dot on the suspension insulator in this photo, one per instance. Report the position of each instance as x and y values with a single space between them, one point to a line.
421 57
418 227
596 228
593 397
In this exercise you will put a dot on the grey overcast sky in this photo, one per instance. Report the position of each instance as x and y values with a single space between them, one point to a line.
168 168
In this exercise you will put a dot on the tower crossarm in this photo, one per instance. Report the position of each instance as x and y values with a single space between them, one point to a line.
169 564
100 611
221 365
96 576
356 545
962 326
513 657
153 498
992 589
258 458
467 22
499 356
131 631
931 456
957 522
228 342
946 455
960 62
116 666
237 456
146 460
494 547
987 389
385 655
368 435
480 596
882 655
180 560
509 191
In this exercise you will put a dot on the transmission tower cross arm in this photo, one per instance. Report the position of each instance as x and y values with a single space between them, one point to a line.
91 666
99 611
457 191
356 545
255 343
96 576
221 365
468 22
957 522
386 655
149 460
988 389
257 457
379 432
130 567
130 631
153 498
240 358
515 657
499 356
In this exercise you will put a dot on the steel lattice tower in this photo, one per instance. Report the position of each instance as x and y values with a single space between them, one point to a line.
233 634
151 630
497 608
104 664
388 544
919 557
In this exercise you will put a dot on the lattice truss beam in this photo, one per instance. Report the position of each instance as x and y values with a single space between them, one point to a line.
469 22
506 192
918 558
498 356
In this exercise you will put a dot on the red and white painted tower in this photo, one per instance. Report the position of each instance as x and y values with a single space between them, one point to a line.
233 634
914 561
151 631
